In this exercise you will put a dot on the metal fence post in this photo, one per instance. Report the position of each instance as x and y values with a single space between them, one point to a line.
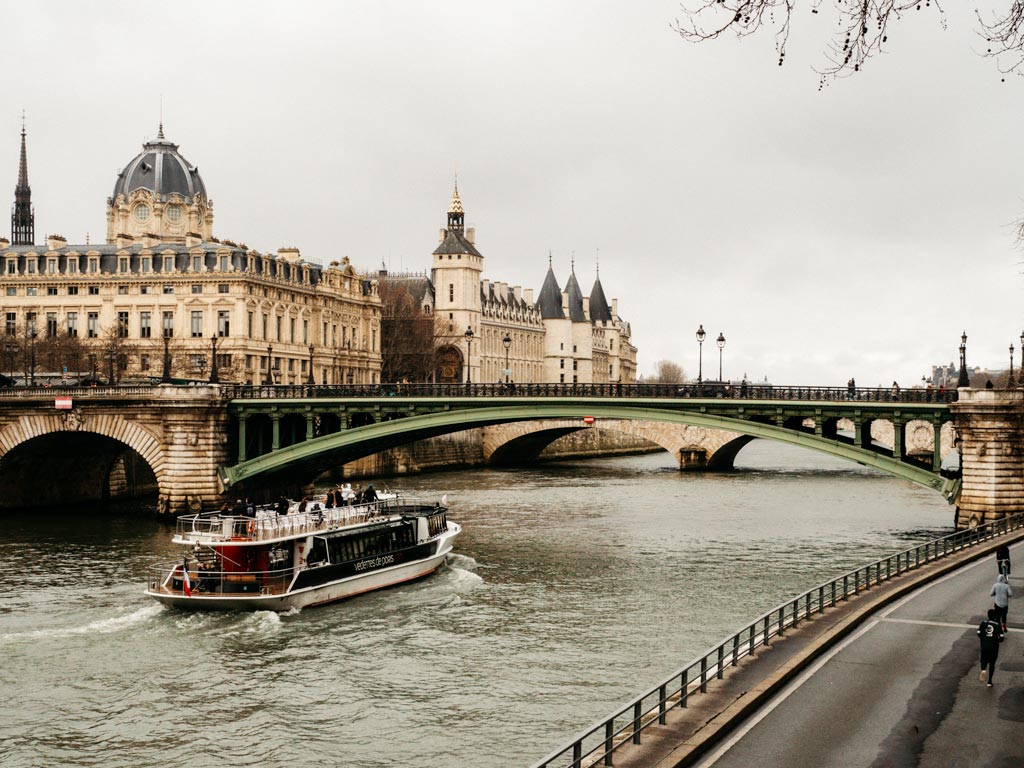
636 723
684 687
704 674
609 730
661 704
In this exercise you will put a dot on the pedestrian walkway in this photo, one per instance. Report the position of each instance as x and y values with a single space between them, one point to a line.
888 679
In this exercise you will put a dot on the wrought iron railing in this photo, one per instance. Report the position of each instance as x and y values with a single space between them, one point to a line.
713 390
597 744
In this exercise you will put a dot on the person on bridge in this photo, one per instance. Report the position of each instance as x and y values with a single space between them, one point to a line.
1002 593
1003 559
991 635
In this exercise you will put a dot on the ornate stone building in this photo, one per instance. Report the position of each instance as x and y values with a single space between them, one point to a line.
164 291
484 328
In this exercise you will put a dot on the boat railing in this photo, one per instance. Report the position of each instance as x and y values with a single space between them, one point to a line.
267 524
168 579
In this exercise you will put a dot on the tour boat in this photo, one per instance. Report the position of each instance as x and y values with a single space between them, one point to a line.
277 562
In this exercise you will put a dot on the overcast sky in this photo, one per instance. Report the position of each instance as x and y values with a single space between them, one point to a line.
852 231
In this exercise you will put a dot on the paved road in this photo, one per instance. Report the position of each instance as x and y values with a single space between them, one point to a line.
902 691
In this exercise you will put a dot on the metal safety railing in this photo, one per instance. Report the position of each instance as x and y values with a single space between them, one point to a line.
716 389
169 580
597 744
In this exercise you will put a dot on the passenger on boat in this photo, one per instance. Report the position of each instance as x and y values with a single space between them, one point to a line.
369 495
250 507
331 500
239 509
304 503
282 506
348 494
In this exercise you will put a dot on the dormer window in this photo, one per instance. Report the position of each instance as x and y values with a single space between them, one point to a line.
168 264
122 264
197 263
12 266
30 266
71 267
51 266
146 264
94 265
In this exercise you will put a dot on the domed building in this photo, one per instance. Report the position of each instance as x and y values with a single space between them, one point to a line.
165 299
160 194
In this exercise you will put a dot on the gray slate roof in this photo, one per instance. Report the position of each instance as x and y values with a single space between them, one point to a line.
599 309
550 299
161 169
455 243
576 313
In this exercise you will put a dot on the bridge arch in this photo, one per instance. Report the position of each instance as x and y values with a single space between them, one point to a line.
315 456
61 457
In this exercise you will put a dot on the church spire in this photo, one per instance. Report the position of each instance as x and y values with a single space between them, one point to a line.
23 218
456 216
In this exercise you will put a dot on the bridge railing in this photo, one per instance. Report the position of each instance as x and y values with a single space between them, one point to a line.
657 391
597 744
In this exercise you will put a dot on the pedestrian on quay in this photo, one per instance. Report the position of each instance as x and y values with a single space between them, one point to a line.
1003 559
991 635
1002 593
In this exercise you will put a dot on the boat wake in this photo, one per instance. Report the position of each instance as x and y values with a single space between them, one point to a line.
101 627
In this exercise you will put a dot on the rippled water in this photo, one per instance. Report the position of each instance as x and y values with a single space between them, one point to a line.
573 587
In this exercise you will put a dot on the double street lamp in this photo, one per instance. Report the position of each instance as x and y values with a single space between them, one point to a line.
214 376
270 362
166 377
507 341
309 379
469 354
963 380
701 334
720 341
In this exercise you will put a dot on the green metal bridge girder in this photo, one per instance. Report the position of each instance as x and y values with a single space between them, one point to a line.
311 457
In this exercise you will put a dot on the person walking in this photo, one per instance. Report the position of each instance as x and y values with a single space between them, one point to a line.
1002 593
991 635
1003 559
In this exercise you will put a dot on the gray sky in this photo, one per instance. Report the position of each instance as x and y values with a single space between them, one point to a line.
854 231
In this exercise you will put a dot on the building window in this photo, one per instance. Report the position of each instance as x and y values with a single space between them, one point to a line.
223 322
32 291
197 324
141 212
222 288
51 325
168 289
51 266
145 289
11 290
197 263
92 327
94 290
280 325
451 292
146 265
291 330
12 267
168 324
72 290
30 266
248 325
174 213
122 325
561 364
223 264
122 264
145 327
73 324
11 326
144 362
305 331
51 290
197 288
122 290
266 326
574 367
94 266
561 378
168 264
72 266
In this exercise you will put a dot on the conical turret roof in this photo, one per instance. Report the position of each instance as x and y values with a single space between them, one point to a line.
550 299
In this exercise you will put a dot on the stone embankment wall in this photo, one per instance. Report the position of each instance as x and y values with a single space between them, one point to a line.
465 449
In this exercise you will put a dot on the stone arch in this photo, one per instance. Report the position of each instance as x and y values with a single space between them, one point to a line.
75 428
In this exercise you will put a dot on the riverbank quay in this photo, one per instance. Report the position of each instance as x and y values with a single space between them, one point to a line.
688 716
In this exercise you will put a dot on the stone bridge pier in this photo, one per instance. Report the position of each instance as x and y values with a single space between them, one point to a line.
990 423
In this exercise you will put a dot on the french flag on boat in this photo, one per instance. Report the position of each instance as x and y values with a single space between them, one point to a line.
186 585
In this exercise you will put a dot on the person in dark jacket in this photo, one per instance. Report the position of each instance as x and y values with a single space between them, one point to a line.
1003 559
990 633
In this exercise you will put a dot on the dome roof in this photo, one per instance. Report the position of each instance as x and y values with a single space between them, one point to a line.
162 170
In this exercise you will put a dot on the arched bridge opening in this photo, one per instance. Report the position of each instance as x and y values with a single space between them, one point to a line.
72 467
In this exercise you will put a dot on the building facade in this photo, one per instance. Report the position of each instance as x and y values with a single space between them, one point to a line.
490 332
164 298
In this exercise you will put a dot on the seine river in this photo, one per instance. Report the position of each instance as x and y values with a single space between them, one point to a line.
574 586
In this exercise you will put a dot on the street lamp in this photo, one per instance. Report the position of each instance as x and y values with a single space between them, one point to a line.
92 361
469 346
270 376
166 377
1010 382
214 376
720 341
963 380
507 341
111 355
309 379
32 360
700 353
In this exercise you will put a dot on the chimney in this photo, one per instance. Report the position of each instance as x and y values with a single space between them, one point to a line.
124 241
443 235
586 307
528 295
485 286
471 235
55 242
615 309
4 242
518 291
290 254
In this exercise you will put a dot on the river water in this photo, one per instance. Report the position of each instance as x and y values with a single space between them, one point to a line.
573 587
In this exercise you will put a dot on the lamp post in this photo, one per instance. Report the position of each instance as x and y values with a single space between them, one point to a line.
32 357
92 362
270 361
700 353
214 376
1010 382
309 379
111 354
720 341
963 380
201 365
166 377
469 347
507 341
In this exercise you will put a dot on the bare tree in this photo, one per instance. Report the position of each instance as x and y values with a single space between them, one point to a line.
862 31
408 344
667 372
